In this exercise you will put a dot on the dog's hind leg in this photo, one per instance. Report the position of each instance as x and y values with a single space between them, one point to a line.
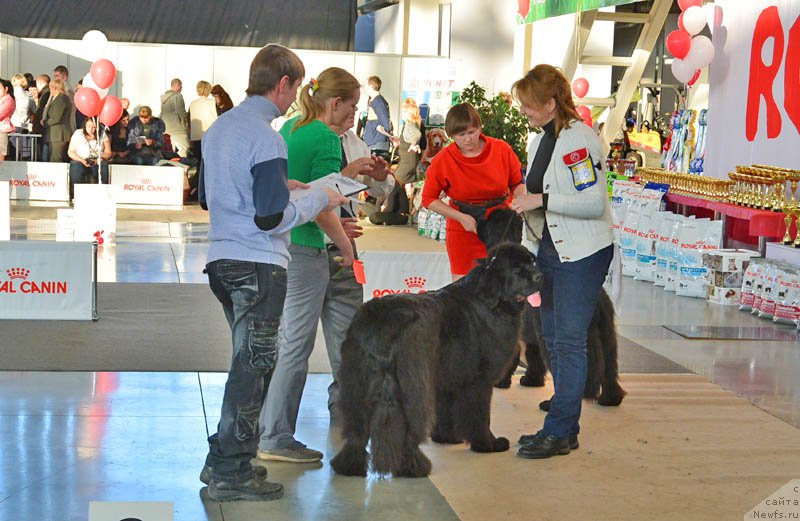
472 413
353 459
611 393
534 349
444 426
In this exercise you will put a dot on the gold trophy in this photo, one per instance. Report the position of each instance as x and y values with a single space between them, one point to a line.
789 210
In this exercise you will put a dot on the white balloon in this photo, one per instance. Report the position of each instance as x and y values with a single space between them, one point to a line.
89 82
701 53
682 70
694 19
94 44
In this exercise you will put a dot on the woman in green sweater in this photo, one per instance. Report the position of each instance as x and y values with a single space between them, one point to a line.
328 107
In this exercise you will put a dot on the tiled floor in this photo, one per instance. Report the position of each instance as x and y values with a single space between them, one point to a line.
69 438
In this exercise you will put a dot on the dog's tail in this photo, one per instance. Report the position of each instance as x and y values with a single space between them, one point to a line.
612 393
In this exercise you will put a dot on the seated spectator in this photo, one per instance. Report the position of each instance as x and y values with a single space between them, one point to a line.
118 134
145 138
84 152
221 98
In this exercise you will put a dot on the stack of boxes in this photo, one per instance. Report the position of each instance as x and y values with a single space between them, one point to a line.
725 274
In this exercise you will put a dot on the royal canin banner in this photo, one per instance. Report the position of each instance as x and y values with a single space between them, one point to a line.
754 95
38 181
159 185
400 272
47 280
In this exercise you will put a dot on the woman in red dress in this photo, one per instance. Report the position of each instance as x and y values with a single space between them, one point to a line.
479 174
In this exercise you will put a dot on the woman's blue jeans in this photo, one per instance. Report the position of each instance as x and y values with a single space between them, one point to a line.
569 296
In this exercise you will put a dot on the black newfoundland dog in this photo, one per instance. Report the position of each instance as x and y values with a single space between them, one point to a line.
602 382
424 364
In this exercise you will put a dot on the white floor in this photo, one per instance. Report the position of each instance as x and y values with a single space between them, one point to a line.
71 438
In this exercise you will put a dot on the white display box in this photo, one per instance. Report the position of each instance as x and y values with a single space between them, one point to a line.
724 296
729 261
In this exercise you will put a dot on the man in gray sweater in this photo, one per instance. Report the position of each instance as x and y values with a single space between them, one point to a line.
245 188
175 118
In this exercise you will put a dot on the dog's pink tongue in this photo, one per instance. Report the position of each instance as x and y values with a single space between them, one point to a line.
535 300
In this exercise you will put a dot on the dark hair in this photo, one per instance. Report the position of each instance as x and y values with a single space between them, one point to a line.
272 63
7 84
460 117
542 83
62 69
225 102
333 82
374 82
29 78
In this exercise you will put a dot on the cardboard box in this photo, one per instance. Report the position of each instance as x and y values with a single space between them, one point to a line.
725 279
724 296
729 261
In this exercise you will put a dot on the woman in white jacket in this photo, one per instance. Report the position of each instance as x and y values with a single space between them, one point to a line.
567 212
202 113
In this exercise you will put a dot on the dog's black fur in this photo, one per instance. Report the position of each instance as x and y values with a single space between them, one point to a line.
602 382
420 364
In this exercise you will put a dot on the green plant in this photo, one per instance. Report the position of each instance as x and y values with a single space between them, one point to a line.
500 119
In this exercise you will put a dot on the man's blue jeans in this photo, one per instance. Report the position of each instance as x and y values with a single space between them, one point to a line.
569 296
252 297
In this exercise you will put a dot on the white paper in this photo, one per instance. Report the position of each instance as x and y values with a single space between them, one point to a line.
335 181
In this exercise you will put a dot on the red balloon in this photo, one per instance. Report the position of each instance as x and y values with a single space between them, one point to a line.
111 111
87 100
680 23
585 113
523 7
103 73
694 78
686 4
678 43
580 87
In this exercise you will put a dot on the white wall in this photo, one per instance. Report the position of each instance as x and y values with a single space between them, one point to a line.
423 37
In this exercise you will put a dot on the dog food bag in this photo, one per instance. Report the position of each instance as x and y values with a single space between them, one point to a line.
659 187
787 302
761 282
622 196
769 295
628 240
669 222
646 245
674 254
701 236
754 272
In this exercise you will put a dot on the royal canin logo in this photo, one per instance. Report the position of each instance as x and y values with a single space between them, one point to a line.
414 284
18 283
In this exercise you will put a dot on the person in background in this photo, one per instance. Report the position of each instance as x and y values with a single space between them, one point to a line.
25 108
480 174
378 125
245 188
327 104
56 121
41 94
202 113
62 73
85 152
118 134
221 98
126 104
396 208
145 138
568 214
7 106
176 121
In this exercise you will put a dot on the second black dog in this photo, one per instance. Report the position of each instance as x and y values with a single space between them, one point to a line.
602 382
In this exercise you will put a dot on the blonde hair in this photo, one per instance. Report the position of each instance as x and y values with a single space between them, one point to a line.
18 80
203 88
411 107
57 85
542 83
145 111
333 82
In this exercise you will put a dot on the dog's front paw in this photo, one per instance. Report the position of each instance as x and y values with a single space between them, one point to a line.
532 381
501 444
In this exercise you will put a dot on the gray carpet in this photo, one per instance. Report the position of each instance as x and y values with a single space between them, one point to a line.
169 327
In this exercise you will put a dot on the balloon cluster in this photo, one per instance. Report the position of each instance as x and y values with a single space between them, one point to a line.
92 99
580 87
692 52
